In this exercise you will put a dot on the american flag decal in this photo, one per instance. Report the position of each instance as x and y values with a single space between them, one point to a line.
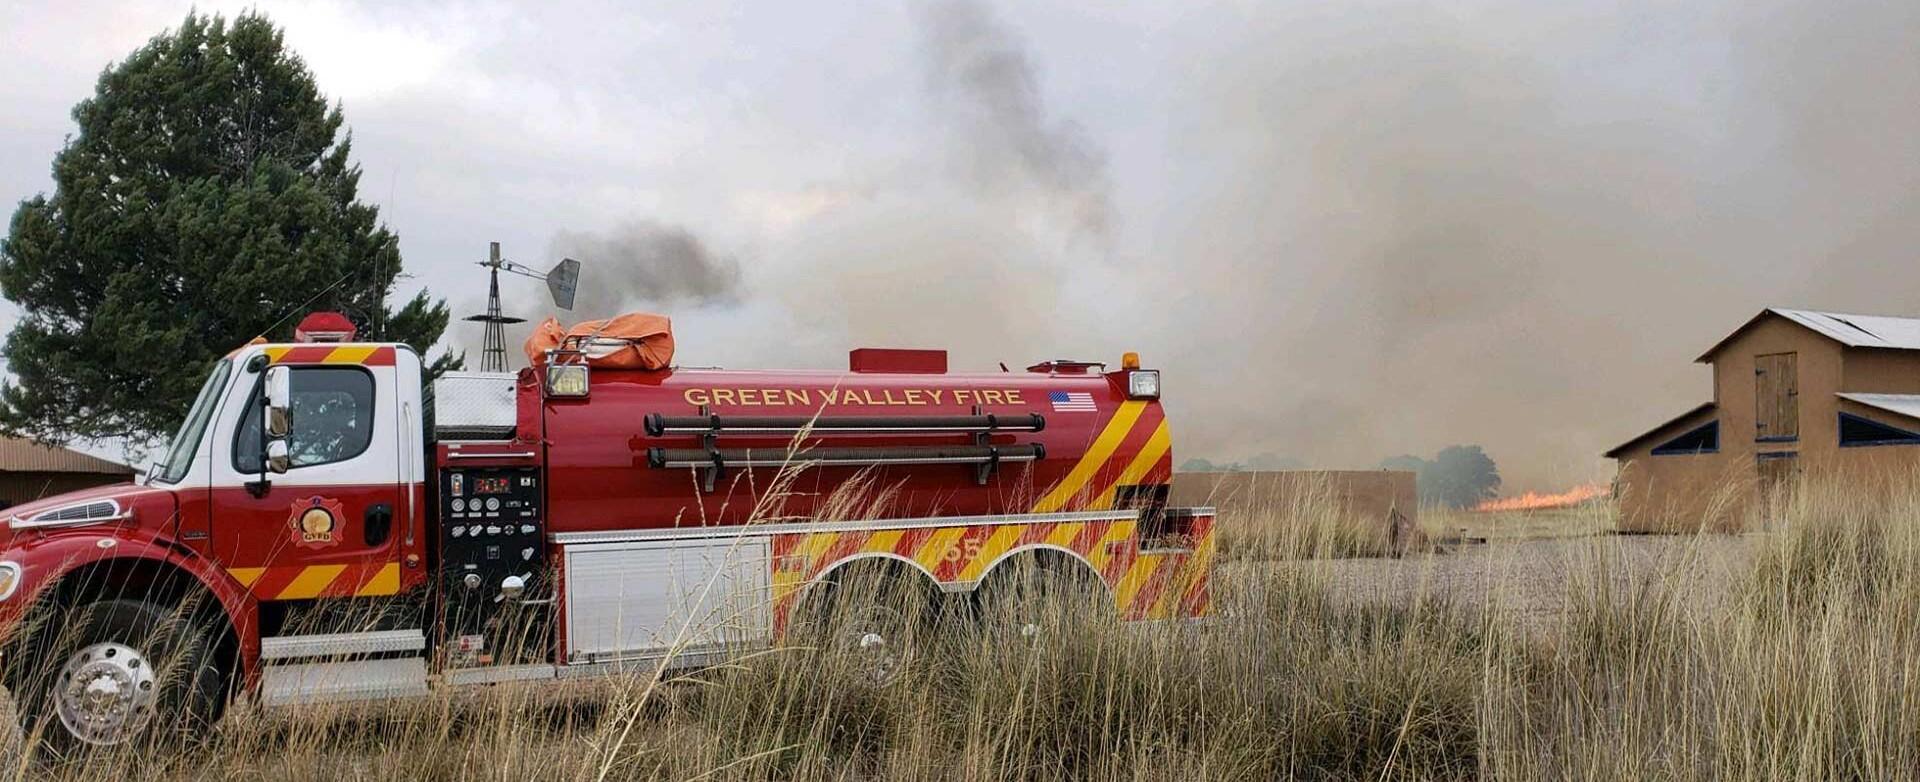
1071 401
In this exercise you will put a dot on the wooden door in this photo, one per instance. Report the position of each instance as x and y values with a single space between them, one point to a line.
1776 473
1776 397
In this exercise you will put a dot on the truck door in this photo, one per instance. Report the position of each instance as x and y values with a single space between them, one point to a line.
333 523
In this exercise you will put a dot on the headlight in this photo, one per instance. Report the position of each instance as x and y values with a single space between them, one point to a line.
9 579
1143 384
566 380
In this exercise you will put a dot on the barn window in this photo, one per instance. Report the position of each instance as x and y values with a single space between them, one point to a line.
1855 431
1704 438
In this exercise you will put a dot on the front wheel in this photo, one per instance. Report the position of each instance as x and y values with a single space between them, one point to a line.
871 619
119 670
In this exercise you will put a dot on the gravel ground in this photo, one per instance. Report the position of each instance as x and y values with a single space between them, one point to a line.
1531 581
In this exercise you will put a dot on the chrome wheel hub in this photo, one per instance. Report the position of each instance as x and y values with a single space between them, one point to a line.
878 659
106 693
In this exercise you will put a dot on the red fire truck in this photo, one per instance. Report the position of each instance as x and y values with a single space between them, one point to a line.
328 525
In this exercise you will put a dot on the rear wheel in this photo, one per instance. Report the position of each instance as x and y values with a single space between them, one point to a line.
120 670
1034 598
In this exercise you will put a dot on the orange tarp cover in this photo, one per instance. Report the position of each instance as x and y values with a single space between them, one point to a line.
636 340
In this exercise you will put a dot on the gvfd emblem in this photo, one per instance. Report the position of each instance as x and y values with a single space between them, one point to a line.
315 522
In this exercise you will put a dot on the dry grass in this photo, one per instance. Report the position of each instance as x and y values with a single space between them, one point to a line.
1802 667
1306 521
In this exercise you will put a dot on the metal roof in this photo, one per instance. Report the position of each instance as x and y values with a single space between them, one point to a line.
18 455
1903 404
1854 331
1614 453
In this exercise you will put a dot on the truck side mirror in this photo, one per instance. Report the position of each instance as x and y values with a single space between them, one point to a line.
278 411
278 458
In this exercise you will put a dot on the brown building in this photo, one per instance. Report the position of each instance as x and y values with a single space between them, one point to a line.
1383 502
1794 391
29 471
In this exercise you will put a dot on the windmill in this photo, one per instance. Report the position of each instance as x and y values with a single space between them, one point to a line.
562 280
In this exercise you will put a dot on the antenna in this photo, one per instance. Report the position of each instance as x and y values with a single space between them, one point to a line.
562 282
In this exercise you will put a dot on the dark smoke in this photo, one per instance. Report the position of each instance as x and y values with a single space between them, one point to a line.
643 263
968 250
639 265
983 83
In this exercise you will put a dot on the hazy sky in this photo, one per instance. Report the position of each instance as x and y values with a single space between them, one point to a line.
1346 231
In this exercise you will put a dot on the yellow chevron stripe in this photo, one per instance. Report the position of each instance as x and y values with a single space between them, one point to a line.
246 575
1064 534
1171 593
385 582
882 542
815 545
311 582
786 582
1143 461
937 546
1095 457
353 354
347 354
1137 576
1103 548
998 543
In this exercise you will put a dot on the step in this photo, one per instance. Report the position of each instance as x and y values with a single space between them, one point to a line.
283 685
497 674
295 647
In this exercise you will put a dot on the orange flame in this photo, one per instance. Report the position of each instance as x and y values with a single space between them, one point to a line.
1537 501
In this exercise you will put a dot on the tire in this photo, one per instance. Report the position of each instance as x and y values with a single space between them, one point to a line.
875 620
1034 599
117 672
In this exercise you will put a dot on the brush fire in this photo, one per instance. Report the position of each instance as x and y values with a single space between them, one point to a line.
1538 501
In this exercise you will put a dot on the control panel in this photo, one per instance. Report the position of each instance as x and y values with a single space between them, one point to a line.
492 550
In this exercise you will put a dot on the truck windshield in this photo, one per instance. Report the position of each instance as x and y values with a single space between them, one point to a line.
180 454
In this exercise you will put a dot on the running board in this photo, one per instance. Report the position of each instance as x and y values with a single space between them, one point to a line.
297 647
285 685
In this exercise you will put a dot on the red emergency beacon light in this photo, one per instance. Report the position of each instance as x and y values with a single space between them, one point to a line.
324 327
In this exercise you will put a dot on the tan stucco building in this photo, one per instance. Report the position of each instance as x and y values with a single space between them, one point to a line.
1794 392
29 471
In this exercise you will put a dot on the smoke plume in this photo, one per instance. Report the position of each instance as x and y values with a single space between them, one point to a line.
646 263
983 85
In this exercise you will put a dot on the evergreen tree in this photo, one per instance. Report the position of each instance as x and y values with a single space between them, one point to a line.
207 198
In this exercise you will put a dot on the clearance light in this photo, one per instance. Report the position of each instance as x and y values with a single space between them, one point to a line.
567 380
9 579
1143 384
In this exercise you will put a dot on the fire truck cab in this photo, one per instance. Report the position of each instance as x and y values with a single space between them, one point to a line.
327 525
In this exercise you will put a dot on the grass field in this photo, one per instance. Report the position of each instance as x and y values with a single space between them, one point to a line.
1797 662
